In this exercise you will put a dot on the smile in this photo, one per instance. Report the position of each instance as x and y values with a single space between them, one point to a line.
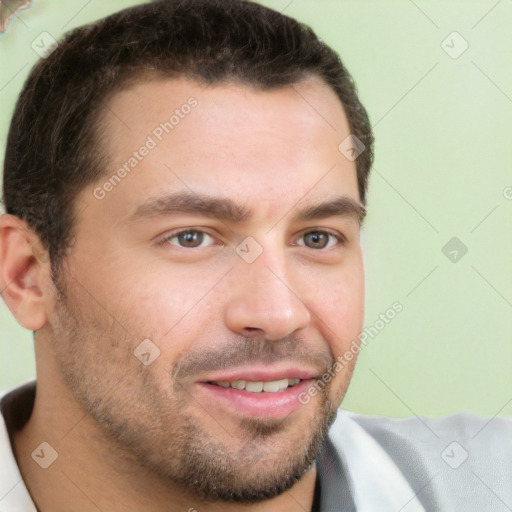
271 386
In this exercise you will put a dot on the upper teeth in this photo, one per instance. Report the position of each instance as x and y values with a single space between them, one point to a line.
271 386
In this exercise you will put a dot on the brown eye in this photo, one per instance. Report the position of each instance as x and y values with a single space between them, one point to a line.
316 239
320 239
189 239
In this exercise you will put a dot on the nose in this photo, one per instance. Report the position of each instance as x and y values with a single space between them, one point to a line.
263 303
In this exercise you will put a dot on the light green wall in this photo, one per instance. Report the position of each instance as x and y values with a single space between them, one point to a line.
443 164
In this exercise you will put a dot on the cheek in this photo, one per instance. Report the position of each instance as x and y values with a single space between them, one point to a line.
171 309
351 300
340 305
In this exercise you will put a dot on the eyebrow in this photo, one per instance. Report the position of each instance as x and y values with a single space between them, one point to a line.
226 209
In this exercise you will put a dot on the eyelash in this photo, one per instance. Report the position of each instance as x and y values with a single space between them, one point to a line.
167 238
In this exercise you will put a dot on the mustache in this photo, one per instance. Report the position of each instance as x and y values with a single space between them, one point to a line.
252 351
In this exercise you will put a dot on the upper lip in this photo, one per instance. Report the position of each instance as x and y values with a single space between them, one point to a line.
263 373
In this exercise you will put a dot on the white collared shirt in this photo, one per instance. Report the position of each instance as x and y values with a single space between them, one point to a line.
14 496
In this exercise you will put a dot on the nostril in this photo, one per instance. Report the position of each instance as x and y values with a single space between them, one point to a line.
252 330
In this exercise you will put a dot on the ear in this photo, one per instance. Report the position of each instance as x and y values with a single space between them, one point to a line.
24 267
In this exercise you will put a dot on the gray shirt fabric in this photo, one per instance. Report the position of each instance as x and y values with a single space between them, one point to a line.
460 463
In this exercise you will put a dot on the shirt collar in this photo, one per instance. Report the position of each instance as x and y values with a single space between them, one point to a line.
354 466
14 496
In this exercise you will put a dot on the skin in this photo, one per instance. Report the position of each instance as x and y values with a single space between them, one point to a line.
119 426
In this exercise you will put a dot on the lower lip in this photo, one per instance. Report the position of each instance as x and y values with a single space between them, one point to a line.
263 405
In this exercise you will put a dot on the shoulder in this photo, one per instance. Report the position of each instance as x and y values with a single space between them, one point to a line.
463 426
453 461
449 439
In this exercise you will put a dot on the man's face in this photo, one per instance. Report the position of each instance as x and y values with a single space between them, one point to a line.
212 248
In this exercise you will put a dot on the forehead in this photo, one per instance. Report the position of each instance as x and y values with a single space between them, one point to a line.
228 139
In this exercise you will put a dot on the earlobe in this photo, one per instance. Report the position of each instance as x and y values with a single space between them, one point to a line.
23 267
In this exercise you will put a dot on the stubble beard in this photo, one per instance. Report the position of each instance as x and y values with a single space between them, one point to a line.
149 430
